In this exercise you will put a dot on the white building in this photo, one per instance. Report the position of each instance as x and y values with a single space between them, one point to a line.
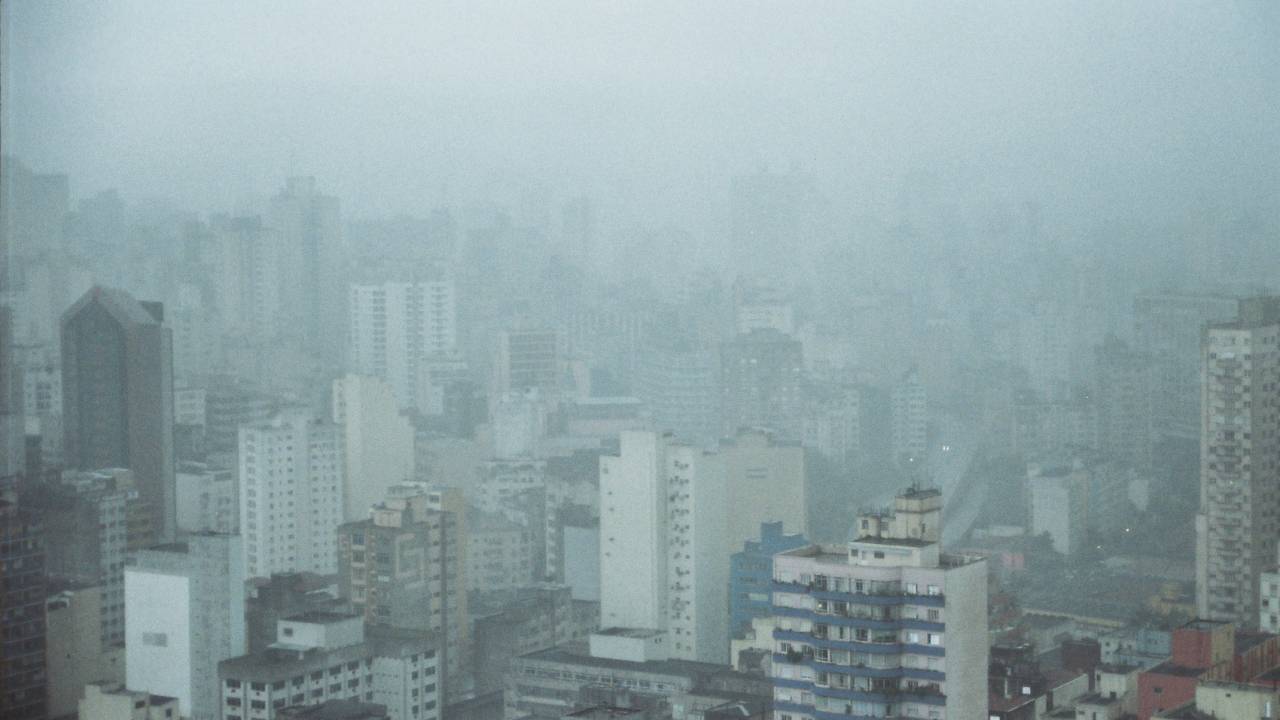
1269 601
909 419
322 656
291 490
195 335
397 327
184 612
1059 504
767 482
378 441
1239 519
246 277
884 626
663 555
207 499
519 424
108 700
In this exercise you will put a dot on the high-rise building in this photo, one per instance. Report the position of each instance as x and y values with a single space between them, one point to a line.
98 517
117 394
527 358
309 228
1123 402
377 441
885 626
1238 525
397 328
184 613
663 554
762 383
291 490
247 277
1168 334
681 388
909 414
403 568
22 595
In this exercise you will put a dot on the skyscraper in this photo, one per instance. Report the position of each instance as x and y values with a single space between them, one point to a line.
377 441
184 612
117 394
1239 520
290 494
884 626
762 383
663 557
308 223
396 327
22 595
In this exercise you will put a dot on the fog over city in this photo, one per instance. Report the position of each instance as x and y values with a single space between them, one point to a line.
688 361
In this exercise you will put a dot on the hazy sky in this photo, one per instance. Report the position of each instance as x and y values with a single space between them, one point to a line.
1085 106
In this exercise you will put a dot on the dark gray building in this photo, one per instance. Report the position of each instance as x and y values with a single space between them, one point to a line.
117 382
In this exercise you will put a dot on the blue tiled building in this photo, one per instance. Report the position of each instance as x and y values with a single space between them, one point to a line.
751 573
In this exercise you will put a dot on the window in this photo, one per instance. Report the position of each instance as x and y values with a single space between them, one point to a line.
934 590
155 639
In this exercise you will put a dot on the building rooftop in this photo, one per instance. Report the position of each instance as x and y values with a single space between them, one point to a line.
576 653
1171 668
334 710
902 542
629 632
321 617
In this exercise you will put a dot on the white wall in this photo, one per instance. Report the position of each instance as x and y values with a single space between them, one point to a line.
633 503
158 604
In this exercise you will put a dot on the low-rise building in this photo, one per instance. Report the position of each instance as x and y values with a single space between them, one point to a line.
623 668
321 656
1205 650
111 701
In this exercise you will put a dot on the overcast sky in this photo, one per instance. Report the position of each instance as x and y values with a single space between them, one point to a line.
396 107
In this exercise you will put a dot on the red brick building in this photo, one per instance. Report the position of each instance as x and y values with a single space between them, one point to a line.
1205 650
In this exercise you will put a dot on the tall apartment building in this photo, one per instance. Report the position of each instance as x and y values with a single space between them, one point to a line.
377 441
184 613
1167 330
762 383
1239 520
291 489
22 595
397 327
663 554
885 626
403 568
319 657
117 394
97 517
247 277
309 227
680 385
910 417
1124 402
527 358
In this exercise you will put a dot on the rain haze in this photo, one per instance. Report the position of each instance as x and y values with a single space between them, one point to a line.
893 360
